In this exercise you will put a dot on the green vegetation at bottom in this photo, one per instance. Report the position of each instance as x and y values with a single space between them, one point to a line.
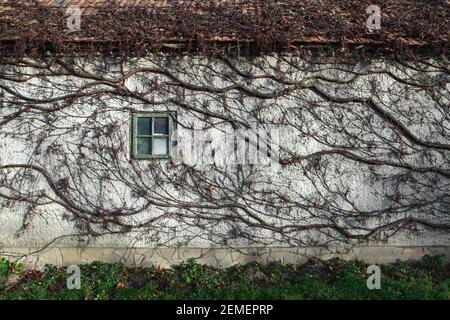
332 279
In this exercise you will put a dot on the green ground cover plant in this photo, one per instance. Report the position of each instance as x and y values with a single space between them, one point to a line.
332 279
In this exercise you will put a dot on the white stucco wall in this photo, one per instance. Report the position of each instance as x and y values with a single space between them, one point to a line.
48 223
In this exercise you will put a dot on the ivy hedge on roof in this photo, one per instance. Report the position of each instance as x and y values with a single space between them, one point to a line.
207 25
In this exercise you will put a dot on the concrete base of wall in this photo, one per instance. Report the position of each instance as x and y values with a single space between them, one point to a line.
220 257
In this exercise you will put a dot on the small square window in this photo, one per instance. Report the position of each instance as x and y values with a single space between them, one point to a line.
151 135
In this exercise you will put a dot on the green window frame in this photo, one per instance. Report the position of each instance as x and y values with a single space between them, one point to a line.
151 134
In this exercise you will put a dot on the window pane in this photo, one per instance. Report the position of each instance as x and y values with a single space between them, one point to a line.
144 126
161 125
144 146
160 146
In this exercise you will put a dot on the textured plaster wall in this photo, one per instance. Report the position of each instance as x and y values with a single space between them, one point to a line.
220 257
49 228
